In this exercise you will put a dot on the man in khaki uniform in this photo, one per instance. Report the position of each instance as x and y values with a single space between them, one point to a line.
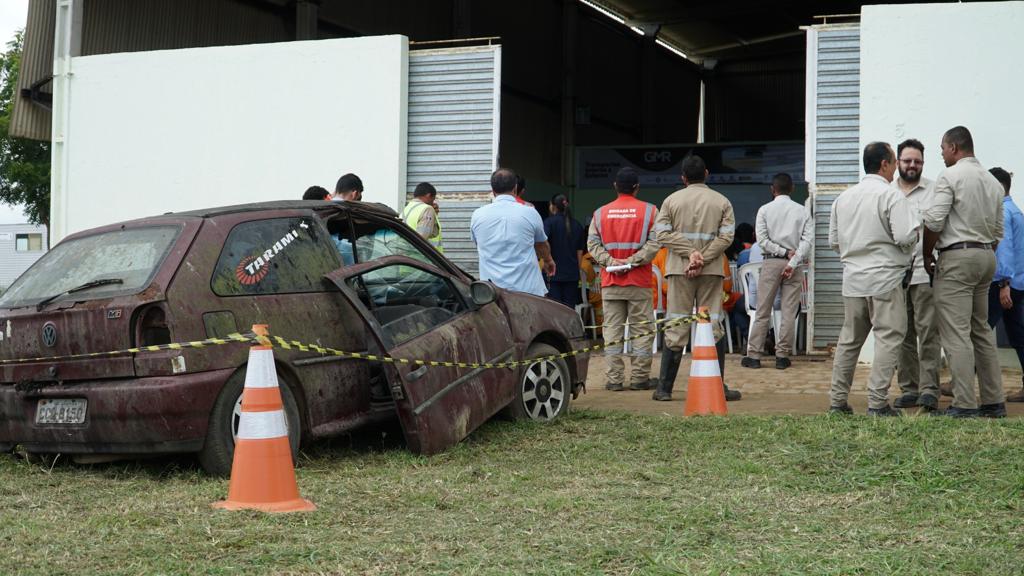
785 231
622 237
874 229
920 354
696 224
965 223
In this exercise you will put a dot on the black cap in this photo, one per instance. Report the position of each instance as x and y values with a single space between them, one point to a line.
626 178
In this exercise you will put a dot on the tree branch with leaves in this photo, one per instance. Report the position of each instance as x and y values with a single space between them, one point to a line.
24 163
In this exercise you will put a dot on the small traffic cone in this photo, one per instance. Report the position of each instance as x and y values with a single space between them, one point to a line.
705 393
262 473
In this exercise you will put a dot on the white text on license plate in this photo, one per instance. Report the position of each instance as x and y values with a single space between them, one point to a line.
61 411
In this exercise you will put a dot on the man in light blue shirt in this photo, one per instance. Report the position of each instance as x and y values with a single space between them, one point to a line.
1006 295
510 238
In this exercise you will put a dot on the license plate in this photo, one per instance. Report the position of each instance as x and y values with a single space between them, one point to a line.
61 411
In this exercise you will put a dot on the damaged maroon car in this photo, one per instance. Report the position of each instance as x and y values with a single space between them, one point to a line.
349 276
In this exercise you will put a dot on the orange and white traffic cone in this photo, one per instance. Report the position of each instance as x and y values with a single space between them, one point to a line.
262 473
705 393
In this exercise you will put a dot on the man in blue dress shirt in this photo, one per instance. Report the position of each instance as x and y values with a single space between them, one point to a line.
1006 296
510 238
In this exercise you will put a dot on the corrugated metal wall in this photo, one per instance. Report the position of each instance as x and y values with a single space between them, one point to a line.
836 164
454 109
754 100
30 120
12 262
838 106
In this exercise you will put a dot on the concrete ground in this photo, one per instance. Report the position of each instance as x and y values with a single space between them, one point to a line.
801 389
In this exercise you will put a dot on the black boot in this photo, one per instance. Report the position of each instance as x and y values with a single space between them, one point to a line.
730 395
670 360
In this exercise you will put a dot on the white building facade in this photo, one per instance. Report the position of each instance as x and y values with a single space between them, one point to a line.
20 246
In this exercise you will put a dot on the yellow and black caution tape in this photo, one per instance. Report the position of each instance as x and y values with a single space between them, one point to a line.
234 338
641 323
286 344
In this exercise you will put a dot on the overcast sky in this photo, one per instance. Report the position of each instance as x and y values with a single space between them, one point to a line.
13 14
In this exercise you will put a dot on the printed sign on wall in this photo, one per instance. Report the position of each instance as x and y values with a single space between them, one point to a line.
661 166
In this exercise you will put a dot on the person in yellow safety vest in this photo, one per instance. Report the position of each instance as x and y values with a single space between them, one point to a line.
420 215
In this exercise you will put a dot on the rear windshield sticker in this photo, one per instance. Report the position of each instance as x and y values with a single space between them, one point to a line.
253 269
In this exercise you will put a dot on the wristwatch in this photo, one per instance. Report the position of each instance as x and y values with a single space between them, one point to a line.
1003 283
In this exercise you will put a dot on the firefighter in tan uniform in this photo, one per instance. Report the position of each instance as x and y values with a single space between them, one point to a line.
622 237
696 224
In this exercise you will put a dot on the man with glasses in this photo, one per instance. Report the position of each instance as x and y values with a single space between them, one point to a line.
918 372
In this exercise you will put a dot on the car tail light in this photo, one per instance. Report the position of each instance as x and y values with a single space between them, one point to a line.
151 329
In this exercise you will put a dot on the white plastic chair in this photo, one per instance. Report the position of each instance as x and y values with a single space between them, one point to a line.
725 314
585 310
748 275
659 308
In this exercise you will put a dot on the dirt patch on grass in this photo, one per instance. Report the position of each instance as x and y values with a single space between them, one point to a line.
799 390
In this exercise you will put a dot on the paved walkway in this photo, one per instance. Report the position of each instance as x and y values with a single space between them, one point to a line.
801 389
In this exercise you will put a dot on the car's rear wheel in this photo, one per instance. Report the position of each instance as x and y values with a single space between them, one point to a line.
219 449
544 389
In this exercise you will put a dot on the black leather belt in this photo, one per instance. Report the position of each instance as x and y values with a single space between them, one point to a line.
778 257
965 245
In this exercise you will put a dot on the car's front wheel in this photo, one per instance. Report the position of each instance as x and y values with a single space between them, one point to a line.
544 389
218 451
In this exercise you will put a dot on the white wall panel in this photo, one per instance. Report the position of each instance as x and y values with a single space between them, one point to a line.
217 126
928 67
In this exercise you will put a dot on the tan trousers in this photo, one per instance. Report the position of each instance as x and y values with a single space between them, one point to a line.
961 301
685 295
885 316
920 354
634 305
769 282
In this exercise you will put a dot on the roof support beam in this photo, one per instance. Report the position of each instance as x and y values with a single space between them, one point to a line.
307 19
648 74
569 18
707 50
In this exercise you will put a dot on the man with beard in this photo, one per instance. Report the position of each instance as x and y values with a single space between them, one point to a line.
918 373
965 223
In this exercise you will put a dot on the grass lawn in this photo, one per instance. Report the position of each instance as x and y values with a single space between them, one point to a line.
597 492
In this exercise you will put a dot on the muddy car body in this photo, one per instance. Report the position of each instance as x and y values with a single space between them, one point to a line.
349 276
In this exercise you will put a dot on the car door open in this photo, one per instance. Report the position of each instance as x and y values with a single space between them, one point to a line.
417 312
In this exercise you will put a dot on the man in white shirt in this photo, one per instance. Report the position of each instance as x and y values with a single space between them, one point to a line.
874 229
918 373
784 233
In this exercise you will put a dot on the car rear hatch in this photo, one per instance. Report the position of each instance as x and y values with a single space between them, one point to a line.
81 297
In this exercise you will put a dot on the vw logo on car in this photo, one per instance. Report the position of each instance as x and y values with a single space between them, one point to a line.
49 334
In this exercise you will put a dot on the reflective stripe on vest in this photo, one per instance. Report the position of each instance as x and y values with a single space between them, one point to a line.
411 215
623 232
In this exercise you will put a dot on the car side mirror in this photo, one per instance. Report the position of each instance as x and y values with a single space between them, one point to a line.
482 293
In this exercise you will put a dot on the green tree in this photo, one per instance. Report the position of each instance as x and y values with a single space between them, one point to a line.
24 164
